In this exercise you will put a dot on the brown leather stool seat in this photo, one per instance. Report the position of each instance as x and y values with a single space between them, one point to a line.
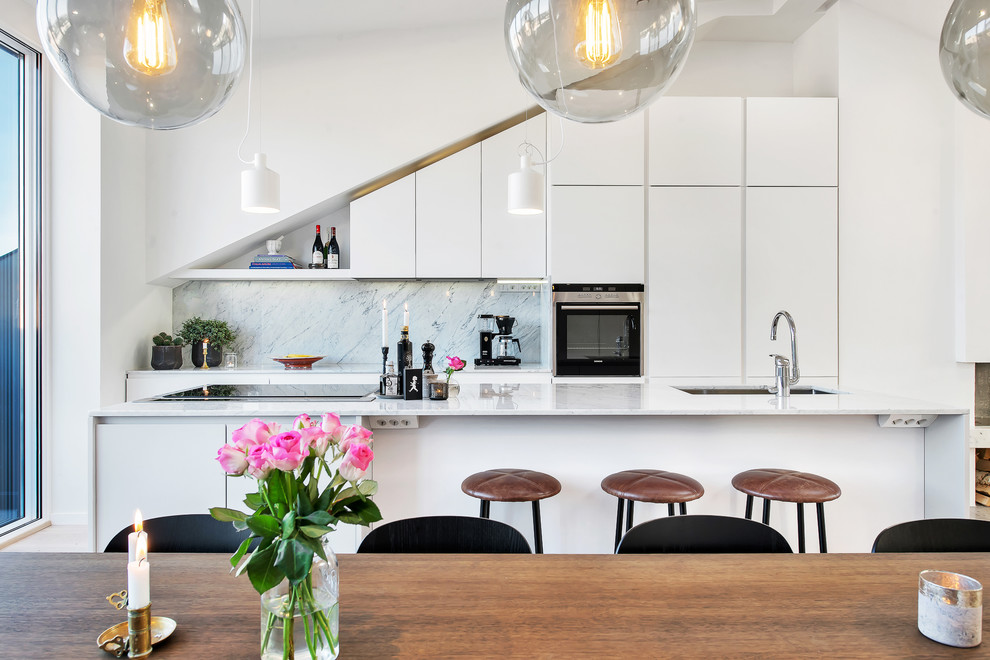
512 485
655 486
788 486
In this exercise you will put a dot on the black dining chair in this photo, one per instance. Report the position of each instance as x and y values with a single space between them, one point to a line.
445 534
702 534
935 535
190 532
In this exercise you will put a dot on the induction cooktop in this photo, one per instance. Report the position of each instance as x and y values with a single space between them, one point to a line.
271 392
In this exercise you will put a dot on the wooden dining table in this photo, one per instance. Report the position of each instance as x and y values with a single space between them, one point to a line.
528 606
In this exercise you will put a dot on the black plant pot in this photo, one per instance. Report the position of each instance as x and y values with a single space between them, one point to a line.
166 357
213 354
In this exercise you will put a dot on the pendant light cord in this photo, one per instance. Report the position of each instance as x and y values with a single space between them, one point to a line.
528 146
247 128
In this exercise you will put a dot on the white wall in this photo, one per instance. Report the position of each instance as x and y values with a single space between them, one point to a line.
131 312
896 316
736 68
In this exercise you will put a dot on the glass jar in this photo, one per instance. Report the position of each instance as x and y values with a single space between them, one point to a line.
288 613
438 390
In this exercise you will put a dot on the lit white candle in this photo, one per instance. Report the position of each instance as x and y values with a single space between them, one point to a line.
133 537
139 577
384 324
405 316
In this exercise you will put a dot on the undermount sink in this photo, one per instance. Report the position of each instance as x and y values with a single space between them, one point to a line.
742 389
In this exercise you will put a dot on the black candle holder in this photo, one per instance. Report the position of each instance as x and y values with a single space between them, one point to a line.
384 358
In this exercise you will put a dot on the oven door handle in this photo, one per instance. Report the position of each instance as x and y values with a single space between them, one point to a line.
599 307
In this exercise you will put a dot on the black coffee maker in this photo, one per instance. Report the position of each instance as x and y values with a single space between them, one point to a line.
499 348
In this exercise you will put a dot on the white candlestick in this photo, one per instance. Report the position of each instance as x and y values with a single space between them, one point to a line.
384 324
139 577
405 316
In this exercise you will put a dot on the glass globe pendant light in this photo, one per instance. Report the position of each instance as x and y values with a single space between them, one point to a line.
598 60
159 64
964 53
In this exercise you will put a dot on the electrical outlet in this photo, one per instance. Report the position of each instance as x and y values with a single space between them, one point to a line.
905 421
379 422
519 287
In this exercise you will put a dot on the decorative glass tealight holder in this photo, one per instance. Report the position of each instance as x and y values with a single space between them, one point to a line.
230 360
950 608
438 390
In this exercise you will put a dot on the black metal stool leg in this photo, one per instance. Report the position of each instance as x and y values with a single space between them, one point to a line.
670 508
821 528
486 508
618 525
537 527
766 512
629 514
683 508
800 527
749 507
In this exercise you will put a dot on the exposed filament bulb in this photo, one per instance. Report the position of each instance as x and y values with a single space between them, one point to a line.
600 41
149 46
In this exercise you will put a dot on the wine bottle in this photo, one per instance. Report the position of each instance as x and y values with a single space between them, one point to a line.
404 351
317 261
333 250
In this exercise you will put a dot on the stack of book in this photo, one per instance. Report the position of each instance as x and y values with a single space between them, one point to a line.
273 261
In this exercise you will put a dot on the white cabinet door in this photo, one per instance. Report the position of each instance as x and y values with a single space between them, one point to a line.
597 234
695 292
163 469
511 245
792 142
610 154
383 231
791 264
696 141
448 216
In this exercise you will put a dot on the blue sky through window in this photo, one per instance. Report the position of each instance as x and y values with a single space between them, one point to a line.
10 95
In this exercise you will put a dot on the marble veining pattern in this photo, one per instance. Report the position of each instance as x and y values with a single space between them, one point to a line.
342 320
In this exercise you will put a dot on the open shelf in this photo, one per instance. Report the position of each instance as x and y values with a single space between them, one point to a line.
234 274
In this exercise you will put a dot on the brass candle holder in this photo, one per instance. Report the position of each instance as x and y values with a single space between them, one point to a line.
206 347
135 637
139 632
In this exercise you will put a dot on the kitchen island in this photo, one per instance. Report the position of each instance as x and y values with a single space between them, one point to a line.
895 459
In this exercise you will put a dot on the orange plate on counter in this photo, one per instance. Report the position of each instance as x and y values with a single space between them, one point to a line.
299 362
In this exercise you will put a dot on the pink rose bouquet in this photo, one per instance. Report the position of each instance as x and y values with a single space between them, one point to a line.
453 364
292 510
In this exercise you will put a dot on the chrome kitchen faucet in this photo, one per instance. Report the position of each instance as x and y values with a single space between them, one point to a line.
786 372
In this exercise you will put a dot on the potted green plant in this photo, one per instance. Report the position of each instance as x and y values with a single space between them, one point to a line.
196 330
166 351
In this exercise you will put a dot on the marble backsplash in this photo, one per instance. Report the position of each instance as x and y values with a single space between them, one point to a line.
342 319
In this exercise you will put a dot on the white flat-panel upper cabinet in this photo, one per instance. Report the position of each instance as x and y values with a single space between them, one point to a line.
696 141
792 142
383 231
597 234
791 264
448 215
609 154
695 290
511 245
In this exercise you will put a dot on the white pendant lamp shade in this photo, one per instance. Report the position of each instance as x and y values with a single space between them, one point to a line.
598 60
526 189
158 64
964 53
260 188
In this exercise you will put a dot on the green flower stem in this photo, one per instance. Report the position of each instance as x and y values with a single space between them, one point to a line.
268 631
288 633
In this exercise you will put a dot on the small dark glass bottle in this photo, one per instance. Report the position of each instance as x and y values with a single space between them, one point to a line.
333 250
317 259
404 351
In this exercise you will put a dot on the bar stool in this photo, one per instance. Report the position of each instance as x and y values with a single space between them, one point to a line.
655 486
788 486
510 485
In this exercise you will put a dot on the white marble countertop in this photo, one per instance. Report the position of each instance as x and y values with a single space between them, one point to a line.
559 399
331 368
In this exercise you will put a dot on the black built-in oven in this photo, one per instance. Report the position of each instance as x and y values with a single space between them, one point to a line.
598 329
